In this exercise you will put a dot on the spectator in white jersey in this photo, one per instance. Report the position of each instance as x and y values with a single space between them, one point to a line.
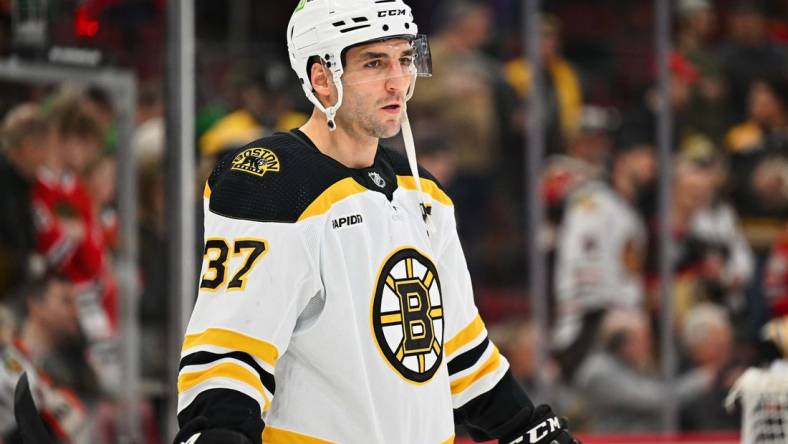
600 253
335 303
713 256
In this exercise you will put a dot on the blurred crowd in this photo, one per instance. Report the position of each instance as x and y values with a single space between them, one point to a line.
58 238
600 236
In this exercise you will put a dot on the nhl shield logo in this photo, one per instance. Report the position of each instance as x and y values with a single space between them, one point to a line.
257 161
407 315
378 179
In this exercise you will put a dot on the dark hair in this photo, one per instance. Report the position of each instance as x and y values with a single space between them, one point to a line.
632 135
33 288
99 96
779 86
751 6
616 342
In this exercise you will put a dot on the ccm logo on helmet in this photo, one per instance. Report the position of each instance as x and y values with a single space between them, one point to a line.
392 13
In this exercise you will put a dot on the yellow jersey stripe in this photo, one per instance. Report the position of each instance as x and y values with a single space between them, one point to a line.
489 366
206 192
234 341
335 193
273 435
428 186
227 370
466 335
449 441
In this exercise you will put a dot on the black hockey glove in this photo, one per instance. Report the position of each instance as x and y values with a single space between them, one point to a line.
194 433
218 436
543 428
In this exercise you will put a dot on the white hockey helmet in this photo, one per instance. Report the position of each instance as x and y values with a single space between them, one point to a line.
326 28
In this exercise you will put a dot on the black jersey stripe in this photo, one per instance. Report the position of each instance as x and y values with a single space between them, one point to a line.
201 358
468 359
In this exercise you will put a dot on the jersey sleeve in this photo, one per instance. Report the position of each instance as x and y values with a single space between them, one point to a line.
256 279
485 396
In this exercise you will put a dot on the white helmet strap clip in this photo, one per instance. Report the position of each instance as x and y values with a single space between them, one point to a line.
331 111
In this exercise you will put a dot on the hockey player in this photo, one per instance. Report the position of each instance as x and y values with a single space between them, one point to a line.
335 304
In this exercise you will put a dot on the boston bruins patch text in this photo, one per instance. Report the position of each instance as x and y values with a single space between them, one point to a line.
257 161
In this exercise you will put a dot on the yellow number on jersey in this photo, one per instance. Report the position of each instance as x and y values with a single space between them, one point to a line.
217 252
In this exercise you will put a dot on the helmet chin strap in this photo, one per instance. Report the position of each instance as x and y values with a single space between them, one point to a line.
410 150
331 111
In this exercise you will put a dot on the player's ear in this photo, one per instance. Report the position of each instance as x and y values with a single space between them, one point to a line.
320 77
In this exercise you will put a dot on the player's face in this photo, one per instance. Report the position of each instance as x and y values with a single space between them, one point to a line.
376 81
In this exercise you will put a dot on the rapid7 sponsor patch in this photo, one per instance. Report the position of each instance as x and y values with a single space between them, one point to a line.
347 221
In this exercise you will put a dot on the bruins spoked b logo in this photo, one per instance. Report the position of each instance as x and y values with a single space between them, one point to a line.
407 315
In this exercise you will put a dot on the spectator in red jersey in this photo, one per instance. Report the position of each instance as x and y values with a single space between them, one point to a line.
59 227
69 232
65 220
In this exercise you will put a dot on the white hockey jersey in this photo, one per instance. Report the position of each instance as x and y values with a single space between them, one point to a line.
324 300
600 258
718 225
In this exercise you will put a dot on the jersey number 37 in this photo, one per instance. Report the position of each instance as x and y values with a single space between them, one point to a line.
217 253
